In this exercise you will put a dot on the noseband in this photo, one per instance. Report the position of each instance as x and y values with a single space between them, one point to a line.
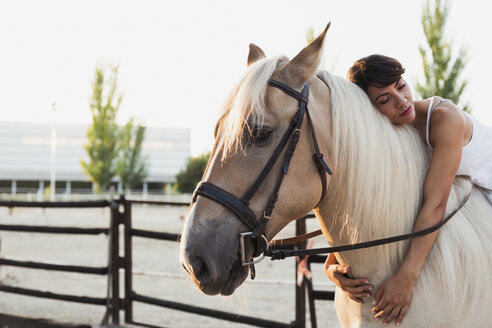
240 206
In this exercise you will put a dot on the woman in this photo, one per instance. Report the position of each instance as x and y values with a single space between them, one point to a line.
460 146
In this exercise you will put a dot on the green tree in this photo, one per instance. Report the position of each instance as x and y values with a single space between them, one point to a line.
102 134
188 178
131 167
310 35
442 72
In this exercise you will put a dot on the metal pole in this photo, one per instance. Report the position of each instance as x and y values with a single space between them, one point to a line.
114 268
68 190
312 308
13 188
53 156
127 221
300 293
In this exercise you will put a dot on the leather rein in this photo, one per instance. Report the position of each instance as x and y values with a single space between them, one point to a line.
280 254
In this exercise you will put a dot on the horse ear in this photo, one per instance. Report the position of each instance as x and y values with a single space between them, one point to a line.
303 66
255 53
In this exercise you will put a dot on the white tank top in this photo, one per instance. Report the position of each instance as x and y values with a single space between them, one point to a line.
476 159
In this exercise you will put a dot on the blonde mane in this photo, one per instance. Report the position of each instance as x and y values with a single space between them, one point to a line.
245 106
379 167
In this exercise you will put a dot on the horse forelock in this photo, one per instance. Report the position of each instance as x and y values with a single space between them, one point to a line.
245 106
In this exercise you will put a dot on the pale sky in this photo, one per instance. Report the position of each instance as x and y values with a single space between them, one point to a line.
179 59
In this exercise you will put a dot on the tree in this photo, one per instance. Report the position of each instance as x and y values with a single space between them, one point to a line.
131 167
188 178
102 135
310 35
442 72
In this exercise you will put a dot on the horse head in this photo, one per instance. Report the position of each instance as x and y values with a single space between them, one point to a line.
257 120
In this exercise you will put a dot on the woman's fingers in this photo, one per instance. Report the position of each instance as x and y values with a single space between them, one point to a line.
362 283
356 299
379 305
403 311
342 268
377 296
358 290
392 315
384 312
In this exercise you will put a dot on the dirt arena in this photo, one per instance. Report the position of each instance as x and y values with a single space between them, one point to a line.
156 273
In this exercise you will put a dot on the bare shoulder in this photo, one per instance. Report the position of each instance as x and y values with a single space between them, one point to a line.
422 106
448 125
447 113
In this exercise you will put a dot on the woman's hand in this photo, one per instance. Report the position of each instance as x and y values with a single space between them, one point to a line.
393 298
356 289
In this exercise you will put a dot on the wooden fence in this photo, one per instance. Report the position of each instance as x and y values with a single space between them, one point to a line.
121 220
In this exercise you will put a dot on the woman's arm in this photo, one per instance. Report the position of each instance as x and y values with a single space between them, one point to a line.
393 297
356 289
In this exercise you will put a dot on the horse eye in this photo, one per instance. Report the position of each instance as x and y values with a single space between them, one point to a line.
260 136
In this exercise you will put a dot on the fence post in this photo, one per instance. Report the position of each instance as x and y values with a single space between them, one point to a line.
115 262
300 321
127 221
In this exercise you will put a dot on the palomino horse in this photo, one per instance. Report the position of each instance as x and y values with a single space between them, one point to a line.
374 192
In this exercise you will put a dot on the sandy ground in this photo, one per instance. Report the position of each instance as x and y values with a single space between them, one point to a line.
157 273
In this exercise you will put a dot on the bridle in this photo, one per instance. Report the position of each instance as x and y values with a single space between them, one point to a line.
240 206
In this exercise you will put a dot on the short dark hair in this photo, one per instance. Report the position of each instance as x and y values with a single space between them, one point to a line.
375 70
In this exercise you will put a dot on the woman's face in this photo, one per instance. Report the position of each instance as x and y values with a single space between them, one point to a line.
395 101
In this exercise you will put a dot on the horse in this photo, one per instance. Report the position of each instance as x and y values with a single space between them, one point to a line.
375 191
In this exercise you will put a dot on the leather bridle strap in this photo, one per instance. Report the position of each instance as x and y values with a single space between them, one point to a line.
319 161
279 254
273 158
317 156
242 211
302 96
294 140
296 239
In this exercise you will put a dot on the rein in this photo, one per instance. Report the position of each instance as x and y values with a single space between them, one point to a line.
280 254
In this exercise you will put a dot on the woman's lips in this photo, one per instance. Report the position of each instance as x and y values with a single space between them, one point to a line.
407 111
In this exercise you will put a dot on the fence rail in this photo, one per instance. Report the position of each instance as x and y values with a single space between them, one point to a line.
44 229
85 204
55 267
121 217
210 312
54 296
155 235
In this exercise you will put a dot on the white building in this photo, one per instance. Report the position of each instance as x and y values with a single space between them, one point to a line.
25 157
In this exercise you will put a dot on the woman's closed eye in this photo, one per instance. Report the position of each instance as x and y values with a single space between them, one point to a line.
384 100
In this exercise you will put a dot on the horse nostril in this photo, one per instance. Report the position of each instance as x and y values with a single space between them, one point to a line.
200 270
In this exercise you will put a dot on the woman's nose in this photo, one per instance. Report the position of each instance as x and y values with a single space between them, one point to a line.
402 101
